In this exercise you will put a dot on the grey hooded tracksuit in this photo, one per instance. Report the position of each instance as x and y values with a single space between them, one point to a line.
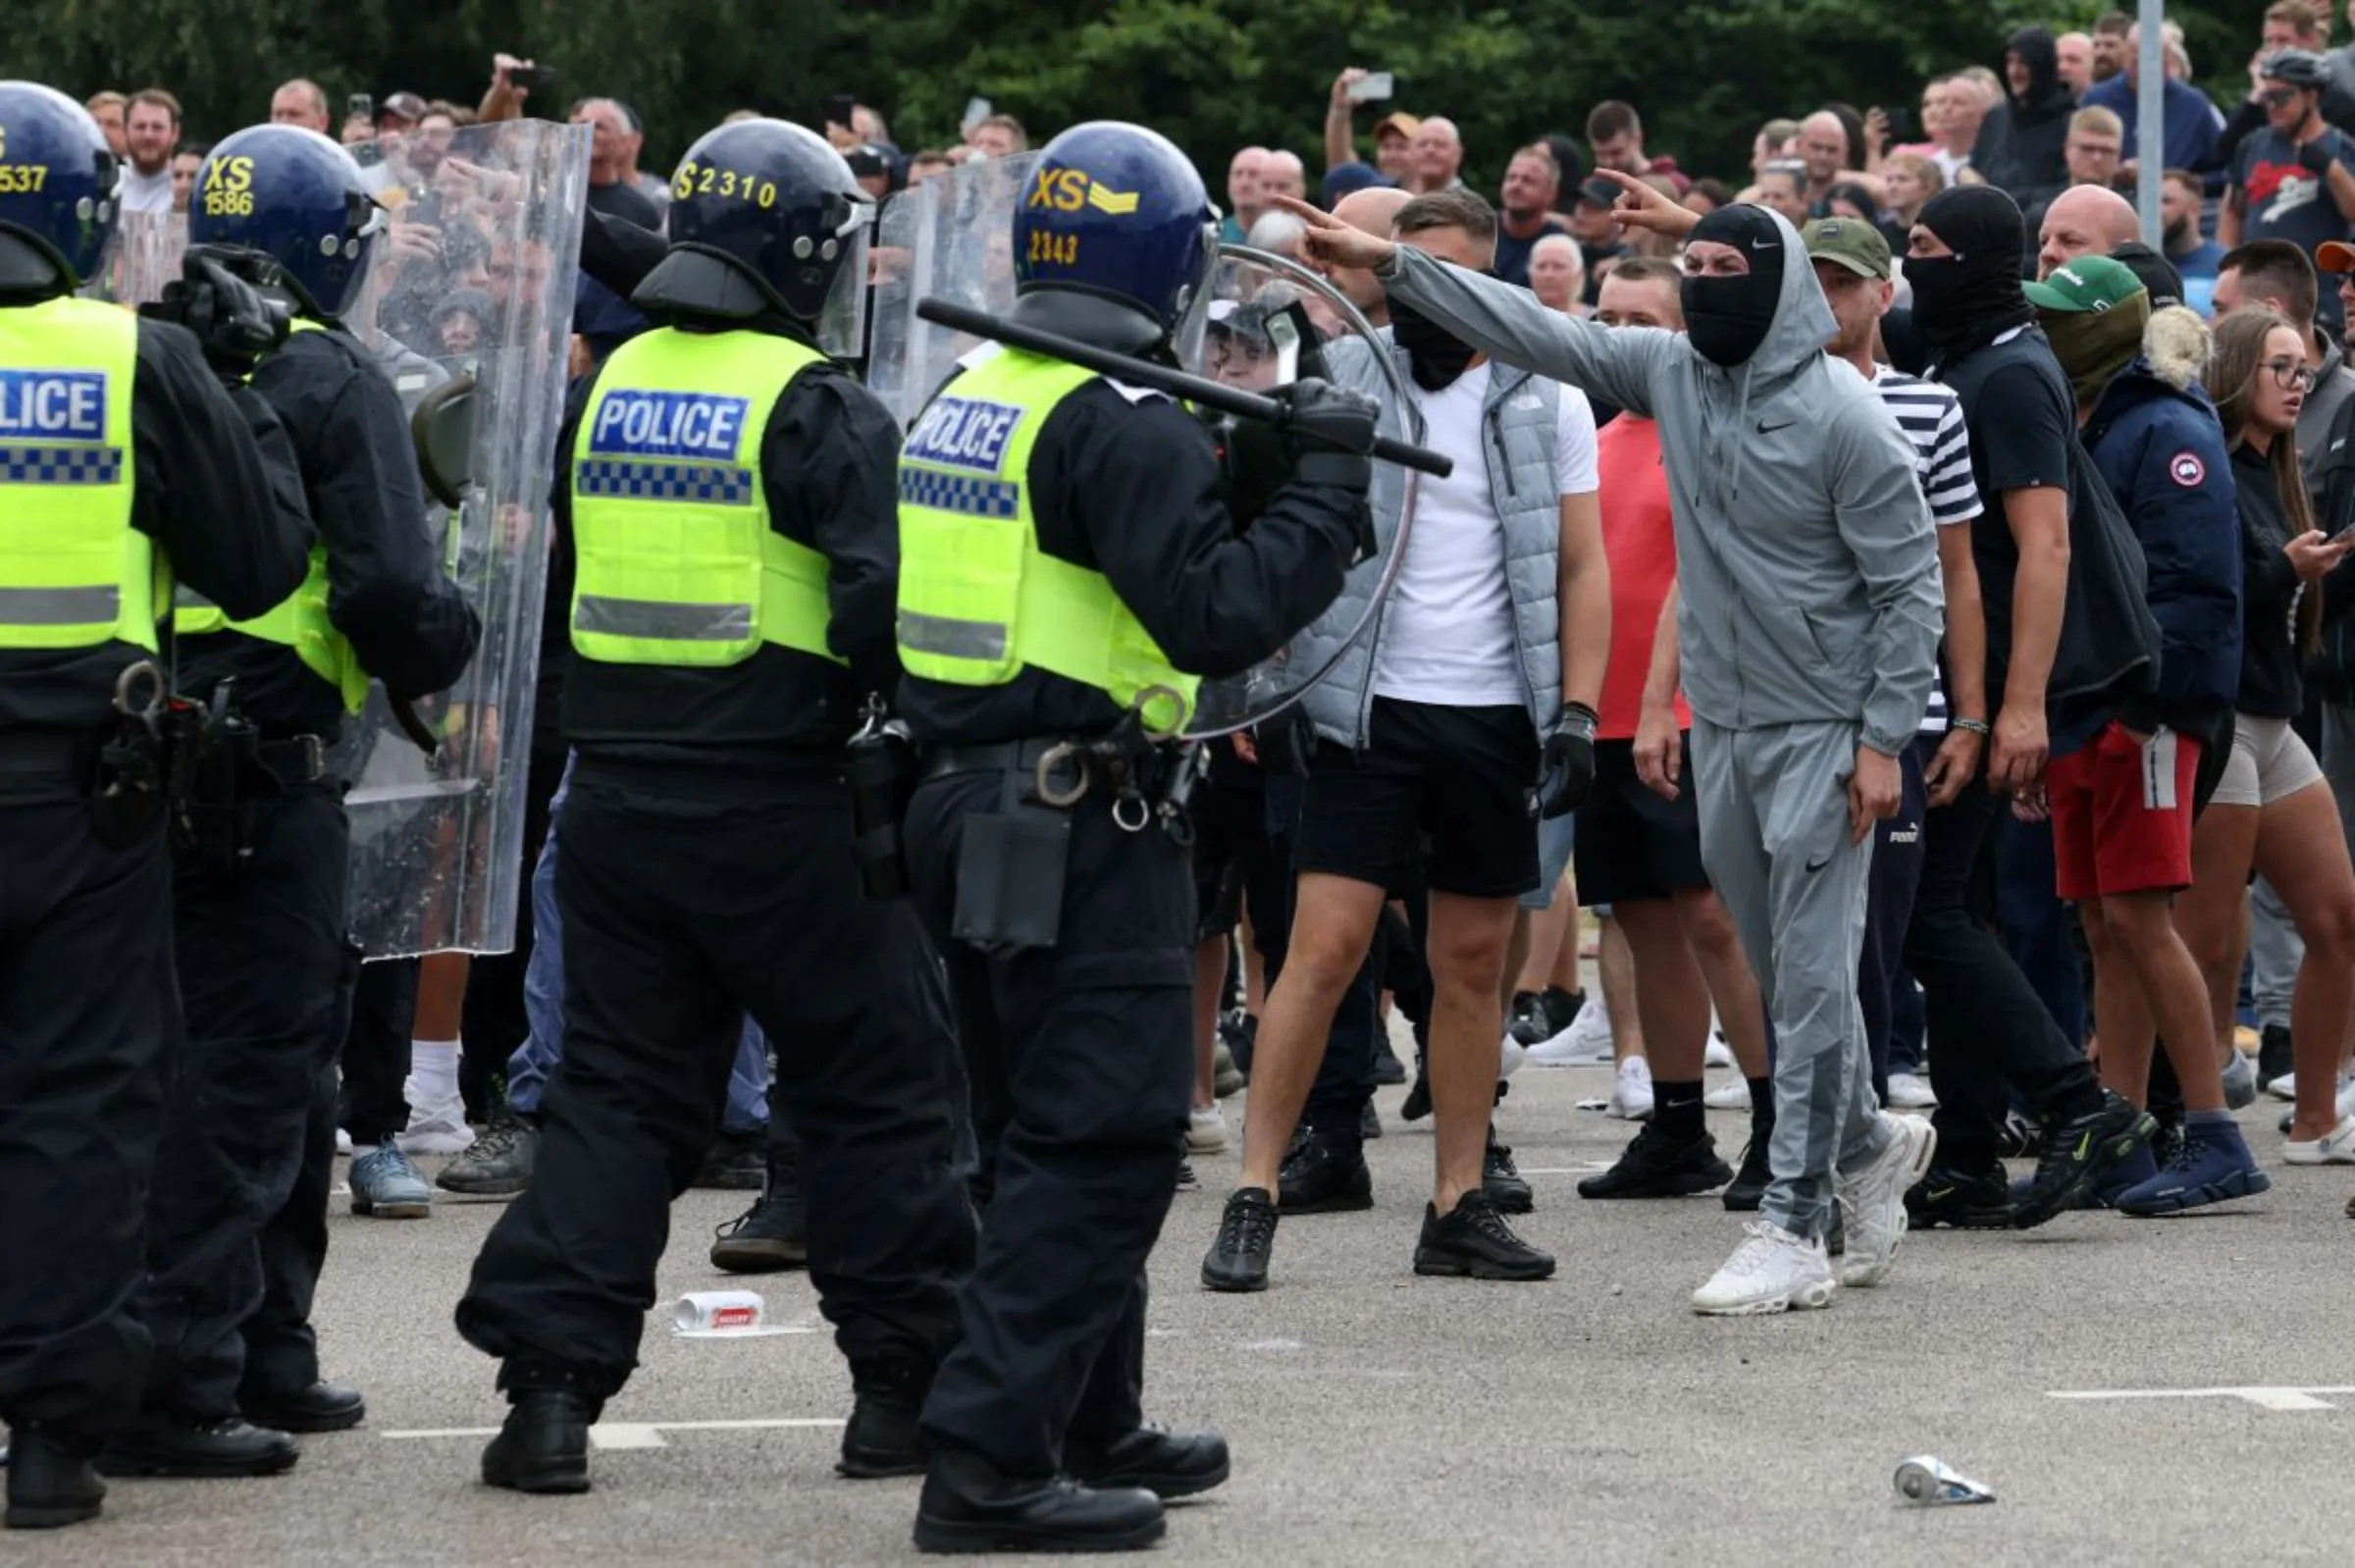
1811 614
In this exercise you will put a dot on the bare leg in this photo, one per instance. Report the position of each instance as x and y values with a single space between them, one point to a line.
1671 999
1210 978
1551 930
1468 940
2122 1016
1622 996
2301 849
1717 949
1332 927
2170 977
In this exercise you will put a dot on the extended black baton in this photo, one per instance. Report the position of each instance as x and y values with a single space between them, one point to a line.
1159 378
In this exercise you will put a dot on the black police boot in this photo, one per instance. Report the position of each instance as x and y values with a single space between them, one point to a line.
322 1407
775 1232
51 1482
1238 1258
161 1444
1324 1173
1168 1464
544 1446
1502 1181
969 1505
883 1437
734 1164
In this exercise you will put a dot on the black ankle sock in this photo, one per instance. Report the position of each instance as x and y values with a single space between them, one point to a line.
1677 1111
1762 1108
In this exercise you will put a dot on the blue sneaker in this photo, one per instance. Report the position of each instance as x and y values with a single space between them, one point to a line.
2213 1166
383 1183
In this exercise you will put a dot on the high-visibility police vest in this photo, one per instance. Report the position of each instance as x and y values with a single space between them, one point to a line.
73 572
677 563
979 601
298 621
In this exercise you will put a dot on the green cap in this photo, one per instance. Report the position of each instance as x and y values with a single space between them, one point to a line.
1852 243
2089 283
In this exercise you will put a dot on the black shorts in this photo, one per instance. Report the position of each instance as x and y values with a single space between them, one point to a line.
1462 777
1632 844
1230 842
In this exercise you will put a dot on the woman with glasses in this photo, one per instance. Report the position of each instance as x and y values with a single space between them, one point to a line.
2272 809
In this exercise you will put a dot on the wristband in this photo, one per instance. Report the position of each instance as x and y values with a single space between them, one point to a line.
1971 727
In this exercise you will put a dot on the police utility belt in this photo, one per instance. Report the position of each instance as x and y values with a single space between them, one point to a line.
1144 782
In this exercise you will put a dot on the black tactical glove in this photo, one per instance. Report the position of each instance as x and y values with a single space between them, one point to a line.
1568 770
234 320
1329 434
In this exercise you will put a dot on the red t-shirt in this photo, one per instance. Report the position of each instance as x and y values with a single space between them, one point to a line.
1638 541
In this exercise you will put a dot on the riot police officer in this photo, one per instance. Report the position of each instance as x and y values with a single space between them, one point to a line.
259 893
1067 573
730 504
123 465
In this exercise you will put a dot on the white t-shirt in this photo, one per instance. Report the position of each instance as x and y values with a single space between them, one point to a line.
1447 632
146 192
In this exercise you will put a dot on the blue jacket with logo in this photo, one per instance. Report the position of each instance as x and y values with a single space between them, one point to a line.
2154 436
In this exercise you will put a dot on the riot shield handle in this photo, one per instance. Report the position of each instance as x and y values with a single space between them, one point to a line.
442 429
1193 389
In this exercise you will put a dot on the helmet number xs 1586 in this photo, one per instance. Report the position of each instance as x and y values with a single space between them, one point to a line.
708 179
228 187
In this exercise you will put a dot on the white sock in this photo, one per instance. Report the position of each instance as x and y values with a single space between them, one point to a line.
433 1069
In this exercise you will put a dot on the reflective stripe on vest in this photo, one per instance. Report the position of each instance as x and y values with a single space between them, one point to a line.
677 563
979 601
300 621
73 572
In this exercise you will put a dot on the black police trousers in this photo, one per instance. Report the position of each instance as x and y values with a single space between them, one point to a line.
682 913
262 974
87 1016
1080 1057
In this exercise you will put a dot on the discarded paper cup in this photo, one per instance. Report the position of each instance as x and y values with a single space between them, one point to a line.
717 1312
1926 1479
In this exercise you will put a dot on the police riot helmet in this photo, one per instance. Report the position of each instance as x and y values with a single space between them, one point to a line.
766 217
1115 240
58 180
291 195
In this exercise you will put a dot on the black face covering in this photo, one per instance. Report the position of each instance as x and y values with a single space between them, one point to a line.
1964 301
1727 318
1435 355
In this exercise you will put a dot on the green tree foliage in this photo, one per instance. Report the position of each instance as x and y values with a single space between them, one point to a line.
1212 74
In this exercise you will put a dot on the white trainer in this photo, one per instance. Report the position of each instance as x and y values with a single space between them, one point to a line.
1872 1200
1910 1091
1206 1130
342 1144
436 1127
2285 1087
1718 1054
1771 1271
1731 1095
1631 1091
1587 1042
2335 1147
1510 1054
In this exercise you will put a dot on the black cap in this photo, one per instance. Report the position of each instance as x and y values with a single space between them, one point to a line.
1599 191
2158 276
867 161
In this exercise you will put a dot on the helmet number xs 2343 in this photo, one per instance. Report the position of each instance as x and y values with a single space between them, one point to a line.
228 186
708 179
1057 250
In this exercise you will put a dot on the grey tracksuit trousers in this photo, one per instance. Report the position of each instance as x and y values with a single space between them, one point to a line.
1774 836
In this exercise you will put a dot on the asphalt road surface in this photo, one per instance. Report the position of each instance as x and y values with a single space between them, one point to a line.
2132 1390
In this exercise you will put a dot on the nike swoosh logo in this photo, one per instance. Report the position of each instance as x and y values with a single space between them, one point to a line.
1765 244
1941 1194
1817 866
1764 429
2084 1142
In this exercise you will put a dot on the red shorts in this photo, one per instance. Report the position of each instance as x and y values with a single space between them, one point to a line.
2122 814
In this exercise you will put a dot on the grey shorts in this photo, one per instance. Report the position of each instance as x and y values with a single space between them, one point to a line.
2270 762
1555 836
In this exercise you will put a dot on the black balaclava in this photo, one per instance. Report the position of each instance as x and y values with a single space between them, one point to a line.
1963 301
2040 52
1727 318
1435 355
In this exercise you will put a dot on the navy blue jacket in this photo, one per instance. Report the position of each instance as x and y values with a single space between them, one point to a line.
2162 453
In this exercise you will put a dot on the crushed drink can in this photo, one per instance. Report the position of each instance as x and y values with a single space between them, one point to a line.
1926 1479
717 1312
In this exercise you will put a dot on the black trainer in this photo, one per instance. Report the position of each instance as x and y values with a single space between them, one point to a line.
1238 1259
1472 1241
2019 1140
2080 1150
969 1506
51 1482
1538 1017
542 1448
1967 1200
1657 1166
1387 1068
775 1232
1369 1123
1417 1104
1502 1181
1168 1464
1748 1188
883 1437
1324 1173
2274 1055
734 1164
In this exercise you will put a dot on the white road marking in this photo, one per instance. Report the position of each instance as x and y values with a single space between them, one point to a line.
615 1434
2264 1398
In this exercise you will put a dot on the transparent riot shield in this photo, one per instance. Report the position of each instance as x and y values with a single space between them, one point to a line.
1273 322
951 238
143 256
468 312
